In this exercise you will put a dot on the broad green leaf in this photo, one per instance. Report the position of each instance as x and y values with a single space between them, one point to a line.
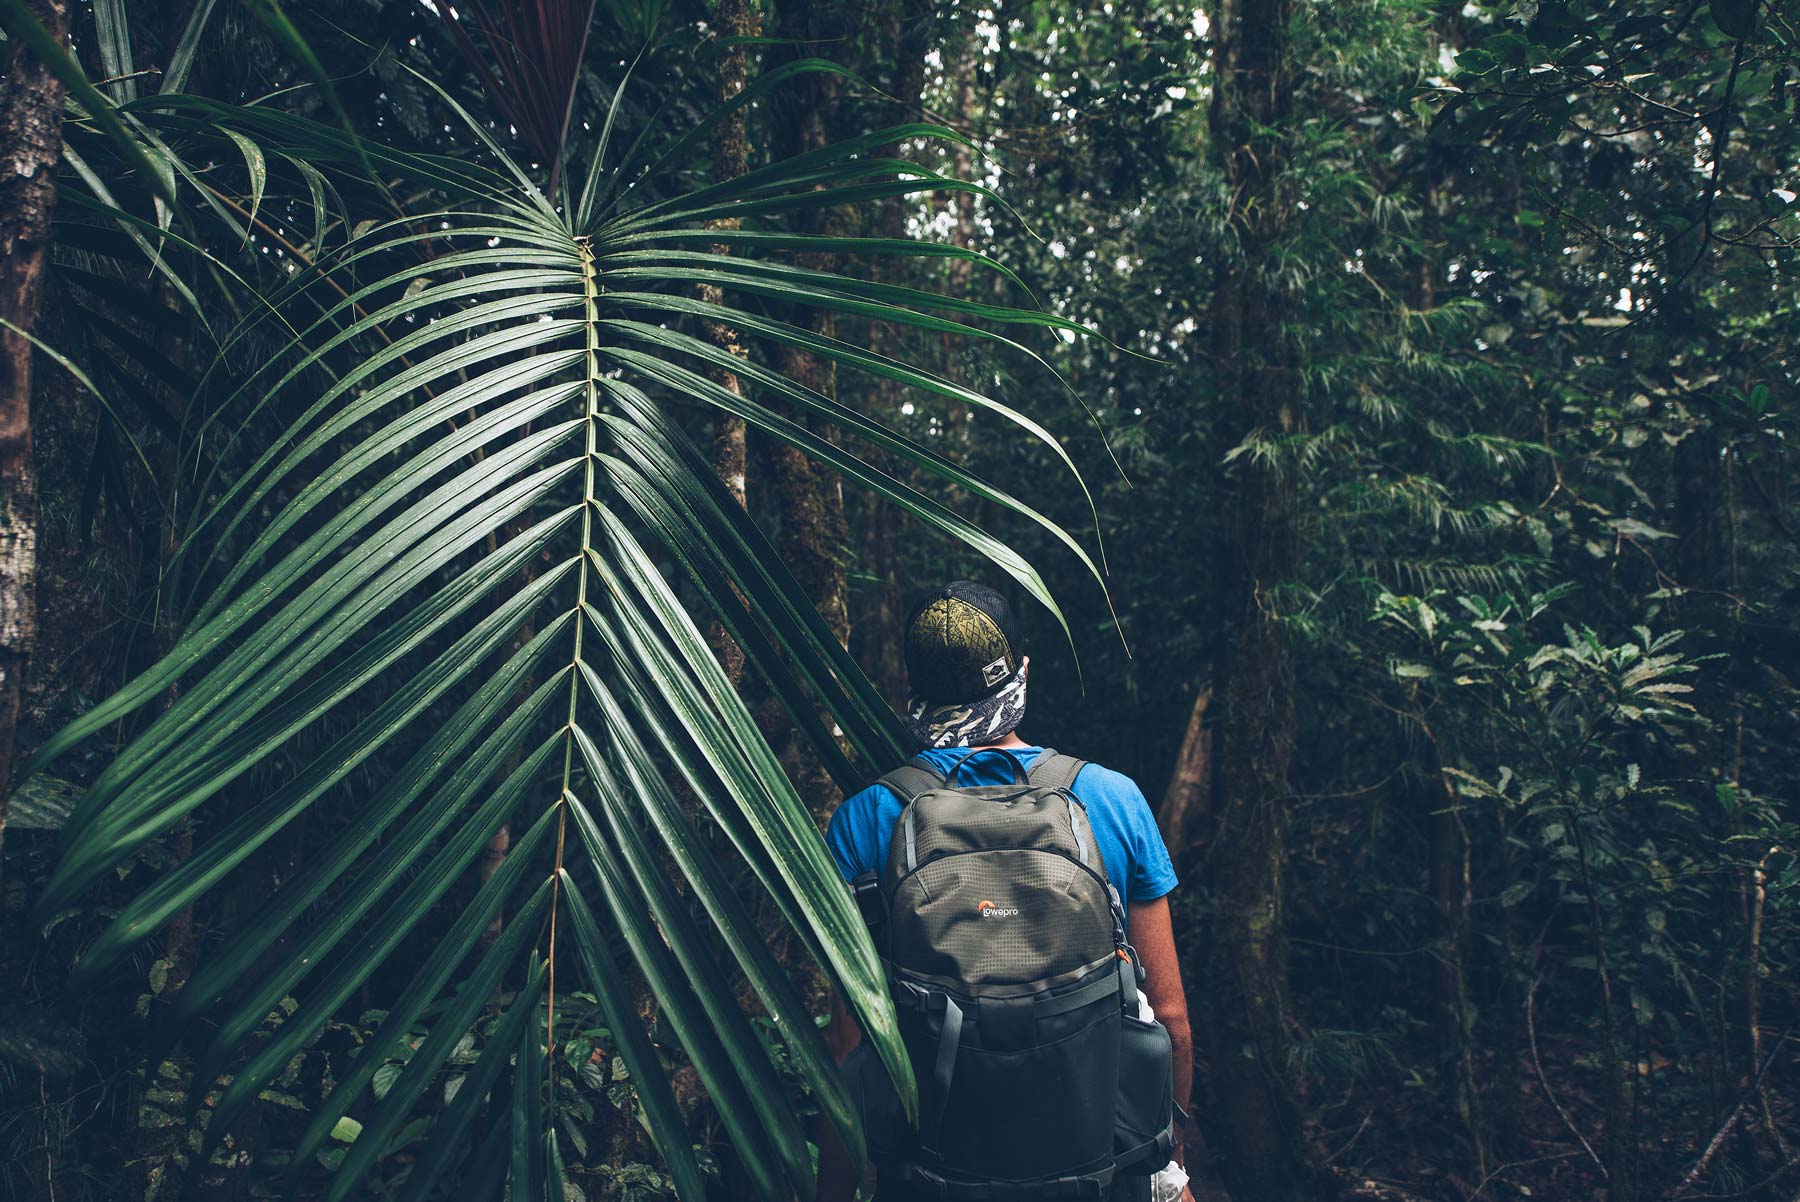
419 590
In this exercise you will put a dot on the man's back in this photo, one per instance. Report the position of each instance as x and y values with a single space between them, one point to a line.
1124 829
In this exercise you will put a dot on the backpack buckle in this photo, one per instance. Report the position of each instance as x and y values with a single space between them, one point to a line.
870 904
913 997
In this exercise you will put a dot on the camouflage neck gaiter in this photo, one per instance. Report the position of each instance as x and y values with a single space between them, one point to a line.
968 723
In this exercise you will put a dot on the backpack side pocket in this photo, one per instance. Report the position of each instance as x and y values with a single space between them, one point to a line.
1144 1130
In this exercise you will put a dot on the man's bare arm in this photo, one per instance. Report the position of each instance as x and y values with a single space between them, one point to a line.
1153 934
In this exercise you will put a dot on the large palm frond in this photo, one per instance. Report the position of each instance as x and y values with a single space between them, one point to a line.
455 541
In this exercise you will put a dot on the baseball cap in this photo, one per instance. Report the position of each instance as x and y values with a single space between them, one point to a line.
961 643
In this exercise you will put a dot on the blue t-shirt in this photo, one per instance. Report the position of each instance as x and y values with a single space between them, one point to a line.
1137 862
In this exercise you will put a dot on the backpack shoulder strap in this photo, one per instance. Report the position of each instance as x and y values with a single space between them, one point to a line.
908 781
1054 770
911 779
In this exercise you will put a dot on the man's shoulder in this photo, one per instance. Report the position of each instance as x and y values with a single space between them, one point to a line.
866 801
1116 804
856 829
1107 782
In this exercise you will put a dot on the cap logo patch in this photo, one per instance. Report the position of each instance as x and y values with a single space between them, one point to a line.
995 672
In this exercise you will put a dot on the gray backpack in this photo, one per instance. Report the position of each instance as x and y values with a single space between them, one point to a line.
1017 993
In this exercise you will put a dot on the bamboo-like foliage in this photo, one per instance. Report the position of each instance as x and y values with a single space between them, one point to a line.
448 551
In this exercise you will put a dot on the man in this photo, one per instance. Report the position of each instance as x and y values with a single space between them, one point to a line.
967 676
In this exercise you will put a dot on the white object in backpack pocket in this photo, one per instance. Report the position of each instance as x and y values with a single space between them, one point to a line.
1167 1182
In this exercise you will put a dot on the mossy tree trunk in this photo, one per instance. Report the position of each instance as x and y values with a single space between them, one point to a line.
31 105
1255 1118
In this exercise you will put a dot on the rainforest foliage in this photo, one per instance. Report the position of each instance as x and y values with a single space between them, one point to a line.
464 469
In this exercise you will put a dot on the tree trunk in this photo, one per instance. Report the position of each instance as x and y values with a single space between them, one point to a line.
962 204
907 32
1253 1109
810 498
738 20
1190 785
1452 893
31 105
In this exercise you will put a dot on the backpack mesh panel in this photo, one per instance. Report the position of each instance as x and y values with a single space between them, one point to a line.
946 821
982 854
940 927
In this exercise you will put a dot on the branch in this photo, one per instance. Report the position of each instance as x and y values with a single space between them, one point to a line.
1719 1137
1723 141
1536 1064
